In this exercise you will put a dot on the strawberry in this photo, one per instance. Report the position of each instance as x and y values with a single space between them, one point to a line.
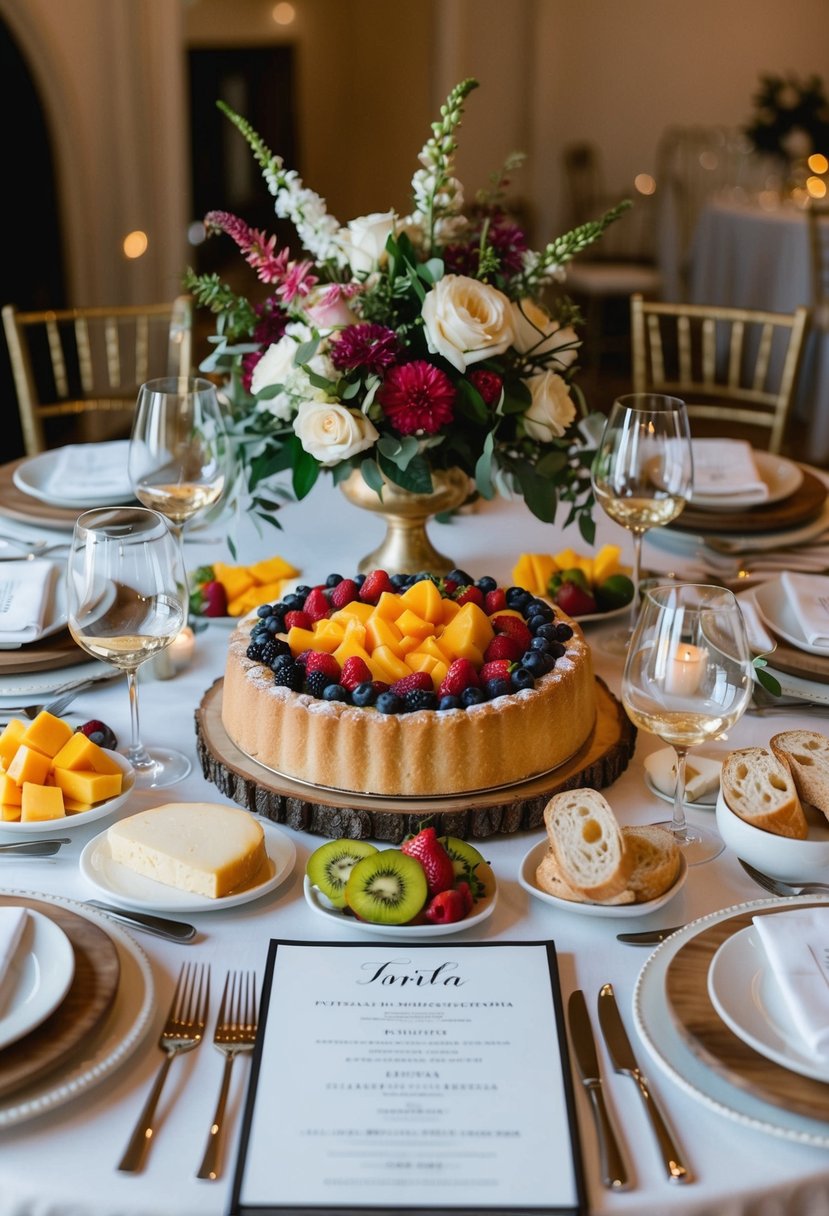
575 601
355 671
318 660
344 593
495 601
375 584
466 892
469 595
450 586
437 864
446 907
497 669
316 604
461 675
214 599
503 647
418 679
301 619
513 627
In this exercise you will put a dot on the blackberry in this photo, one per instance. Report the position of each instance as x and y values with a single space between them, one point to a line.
449 701
334 692
266 650
317 682
364 694
388 703
521 678
289 675
419 698
254 650
472 696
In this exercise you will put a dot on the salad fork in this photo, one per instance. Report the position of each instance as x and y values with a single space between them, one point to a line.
776 886
183 1030
235 1033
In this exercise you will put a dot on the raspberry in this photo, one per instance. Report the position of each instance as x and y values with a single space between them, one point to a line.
503 647
375 584
446 907
437 864
470 595
495 601
343 593
497 669
317 660
299 619
316 604
461 675
513 627
418 679
355 671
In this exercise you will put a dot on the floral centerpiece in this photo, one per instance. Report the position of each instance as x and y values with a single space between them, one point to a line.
403 345
791 117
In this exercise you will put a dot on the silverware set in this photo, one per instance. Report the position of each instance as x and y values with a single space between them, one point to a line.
234 1034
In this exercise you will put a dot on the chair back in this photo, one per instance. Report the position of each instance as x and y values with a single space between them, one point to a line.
732 365
78 361
817 217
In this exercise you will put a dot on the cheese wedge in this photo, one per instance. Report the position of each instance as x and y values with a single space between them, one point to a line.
201 847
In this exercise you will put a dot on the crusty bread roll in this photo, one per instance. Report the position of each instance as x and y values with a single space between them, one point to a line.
806 755
759 787
548 876
587 844
656 861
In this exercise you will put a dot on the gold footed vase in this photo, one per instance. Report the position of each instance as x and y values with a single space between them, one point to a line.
406 547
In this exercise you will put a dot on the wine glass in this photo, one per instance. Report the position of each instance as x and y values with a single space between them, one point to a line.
124 604
642 474
688 678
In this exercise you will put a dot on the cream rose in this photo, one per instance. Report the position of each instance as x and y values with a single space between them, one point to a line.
364 240
551 410
538 334
327 308
330 433
276 365
466 321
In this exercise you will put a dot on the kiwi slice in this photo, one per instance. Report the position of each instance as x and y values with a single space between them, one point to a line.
464 855
388 888
329 866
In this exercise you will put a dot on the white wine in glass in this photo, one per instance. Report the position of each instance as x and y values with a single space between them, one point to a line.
125 603
688 678
642 474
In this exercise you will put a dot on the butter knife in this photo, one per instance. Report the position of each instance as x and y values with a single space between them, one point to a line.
621 1053
611 1162
160 926
648 937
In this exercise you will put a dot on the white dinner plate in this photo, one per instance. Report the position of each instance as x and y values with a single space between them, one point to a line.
115 881
319 904
81 818
125 1026
778 613
782 477
526 876
25 688
747 997
670 1050
674 540
38 978
55 615
33 477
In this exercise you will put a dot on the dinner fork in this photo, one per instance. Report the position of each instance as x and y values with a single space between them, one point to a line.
183 1030
235 1033
776 887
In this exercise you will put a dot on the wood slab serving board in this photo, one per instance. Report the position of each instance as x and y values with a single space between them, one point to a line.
711 1040
805 504
83 1009
337 813
58 650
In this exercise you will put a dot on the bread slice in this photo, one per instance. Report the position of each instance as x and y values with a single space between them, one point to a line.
656 861
549 879
587 844
759 787
806 754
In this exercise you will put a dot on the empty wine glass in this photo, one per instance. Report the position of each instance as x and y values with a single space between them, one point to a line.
642 474
688 678
125 603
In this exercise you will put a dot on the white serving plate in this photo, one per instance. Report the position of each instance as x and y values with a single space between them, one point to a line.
319 904
526 877
55 616
38 978
117 882
33 476
670 1051
591 618
782 477
101 810
779 615
747 997
667 756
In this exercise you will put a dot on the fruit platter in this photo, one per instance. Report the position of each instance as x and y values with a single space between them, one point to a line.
587 588
432 885
223 593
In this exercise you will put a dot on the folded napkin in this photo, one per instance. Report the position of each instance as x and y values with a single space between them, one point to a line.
12 924
725 468
796 943
808 595
759 639
25 600
90 471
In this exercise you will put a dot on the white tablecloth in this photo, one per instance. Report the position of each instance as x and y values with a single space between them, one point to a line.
64 1163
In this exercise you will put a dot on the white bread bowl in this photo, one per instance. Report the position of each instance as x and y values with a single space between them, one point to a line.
780 856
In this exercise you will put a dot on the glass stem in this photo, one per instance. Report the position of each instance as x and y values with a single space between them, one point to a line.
678 825
137 754
636 572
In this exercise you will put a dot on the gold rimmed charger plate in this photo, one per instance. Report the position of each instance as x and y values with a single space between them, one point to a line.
799 508
58 650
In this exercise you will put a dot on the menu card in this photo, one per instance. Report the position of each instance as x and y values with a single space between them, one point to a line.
410 1076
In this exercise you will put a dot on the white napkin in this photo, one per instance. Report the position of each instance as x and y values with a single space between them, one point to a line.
90 471
759 639
25 600
796 943
808 595
12 924
725 468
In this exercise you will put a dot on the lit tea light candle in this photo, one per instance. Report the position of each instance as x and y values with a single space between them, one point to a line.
182 647
685 670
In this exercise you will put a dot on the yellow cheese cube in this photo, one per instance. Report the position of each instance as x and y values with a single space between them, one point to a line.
73 807
41 802
252 598
9 814
606 563
523 573
47 733
29 765
88 787
544 567
10 791
10 740
272 570
82 754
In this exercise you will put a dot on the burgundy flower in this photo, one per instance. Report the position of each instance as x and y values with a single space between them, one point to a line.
488 384
269 328
374 347
417 398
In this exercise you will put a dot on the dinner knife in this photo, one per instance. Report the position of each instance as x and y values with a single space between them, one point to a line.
621 1053
611 1162
648 937
161 926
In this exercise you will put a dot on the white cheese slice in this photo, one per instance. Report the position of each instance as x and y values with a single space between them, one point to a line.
200 847
702 774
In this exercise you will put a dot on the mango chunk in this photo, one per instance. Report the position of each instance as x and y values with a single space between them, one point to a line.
606 563
382 632
41 802
390 664
413 626
388 607
468 634
47 734
271 570
10 739
436 668
356 610
29 765
424 599
88 787
234 579
264 593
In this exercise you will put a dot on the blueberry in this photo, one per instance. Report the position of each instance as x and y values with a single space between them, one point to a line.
363 694
399 581
449 701
520 678
359 579
564 632
547 630
486 584
472 696
535 662
517 598
540 644
389 703
536 621
294 602
334 692
460 577
264 610
557 649
498 687
333 579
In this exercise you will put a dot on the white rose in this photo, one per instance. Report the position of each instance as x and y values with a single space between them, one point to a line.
330 433
466 321
364 240
275 366
539 335
551 410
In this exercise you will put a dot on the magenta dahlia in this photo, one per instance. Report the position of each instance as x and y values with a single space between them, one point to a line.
269 328
417 398
488 384
374 347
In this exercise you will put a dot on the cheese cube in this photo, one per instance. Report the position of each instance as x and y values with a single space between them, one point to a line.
73 807
41 802
10 791
81 753
10 740
29 765
88 787
9 814
47 733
